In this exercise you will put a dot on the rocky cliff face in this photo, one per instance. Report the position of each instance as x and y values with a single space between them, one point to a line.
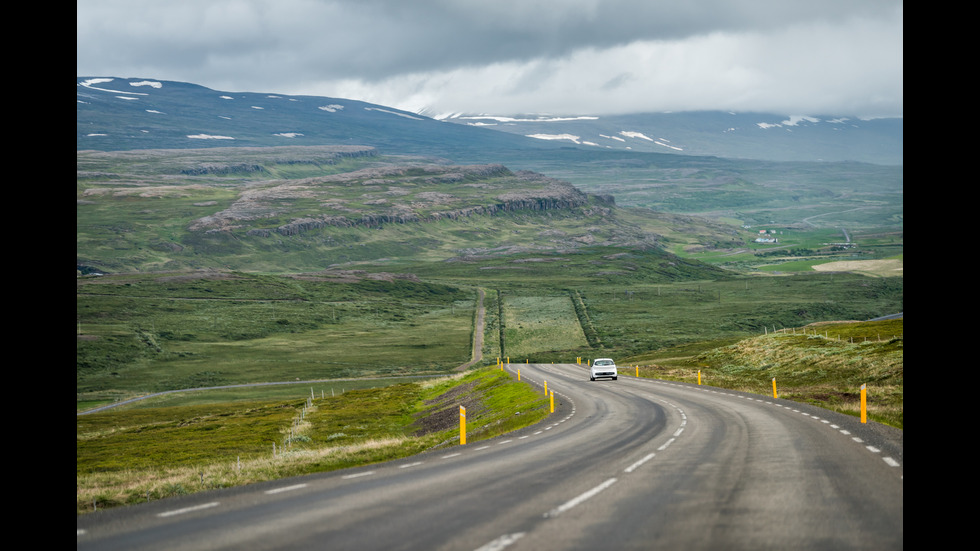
393 195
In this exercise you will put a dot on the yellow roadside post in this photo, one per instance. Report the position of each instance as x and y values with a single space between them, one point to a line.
864 403
637 371
774 388
552 401
699 377
546 388
462 425
518 374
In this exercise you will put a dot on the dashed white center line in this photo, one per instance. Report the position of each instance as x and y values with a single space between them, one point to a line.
577 500
285 489
501 542
188 509
357 475
636 465
410 465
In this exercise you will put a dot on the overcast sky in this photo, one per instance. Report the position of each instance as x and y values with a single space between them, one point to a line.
506 57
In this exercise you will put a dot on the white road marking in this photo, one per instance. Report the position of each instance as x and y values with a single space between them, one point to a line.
636 465
501 542
451 455
410 465
578 500
188 509
356 475
285 488
891 462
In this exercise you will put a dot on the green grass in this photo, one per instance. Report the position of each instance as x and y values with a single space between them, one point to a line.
149 333
136 454
540 324
821 364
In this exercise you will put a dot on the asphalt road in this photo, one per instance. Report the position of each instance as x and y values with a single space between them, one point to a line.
626 464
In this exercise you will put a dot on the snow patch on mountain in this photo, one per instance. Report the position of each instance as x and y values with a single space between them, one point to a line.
393 113
643 136
793 120
208 137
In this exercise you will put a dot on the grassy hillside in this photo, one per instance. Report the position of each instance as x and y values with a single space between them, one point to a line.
823 363
150 452
151 211
291 209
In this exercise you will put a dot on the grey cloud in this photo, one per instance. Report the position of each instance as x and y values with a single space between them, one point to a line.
375 39
315 46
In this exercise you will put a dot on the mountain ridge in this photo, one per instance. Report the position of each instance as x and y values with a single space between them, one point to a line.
137 113
748 135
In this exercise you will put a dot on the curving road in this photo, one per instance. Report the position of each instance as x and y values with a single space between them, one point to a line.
627 464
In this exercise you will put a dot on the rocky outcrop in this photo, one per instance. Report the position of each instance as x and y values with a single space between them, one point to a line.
426 192
221 169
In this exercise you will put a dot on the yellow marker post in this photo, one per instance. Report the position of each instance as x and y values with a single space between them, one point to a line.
546 388
637 371
518 374
699 377
462 425
552 402
774 388
864 403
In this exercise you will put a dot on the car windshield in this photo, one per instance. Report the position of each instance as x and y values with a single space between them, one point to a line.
603 362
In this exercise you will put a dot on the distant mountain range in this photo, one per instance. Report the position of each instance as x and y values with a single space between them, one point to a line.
761 136
123 114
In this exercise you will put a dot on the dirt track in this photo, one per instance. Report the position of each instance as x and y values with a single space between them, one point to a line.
477 336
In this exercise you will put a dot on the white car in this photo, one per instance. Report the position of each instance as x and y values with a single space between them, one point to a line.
602 367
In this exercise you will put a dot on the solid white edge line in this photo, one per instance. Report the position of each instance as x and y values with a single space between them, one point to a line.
577 500
188 509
